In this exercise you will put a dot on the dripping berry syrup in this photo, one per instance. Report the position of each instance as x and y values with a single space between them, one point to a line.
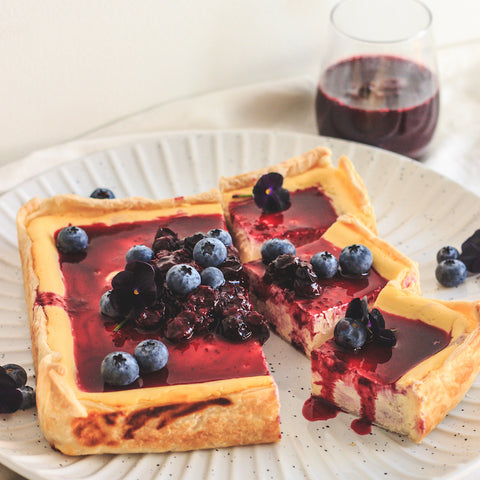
375 367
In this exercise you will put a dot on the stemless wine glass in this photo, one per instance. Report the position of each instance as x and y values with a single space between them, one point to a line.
378 83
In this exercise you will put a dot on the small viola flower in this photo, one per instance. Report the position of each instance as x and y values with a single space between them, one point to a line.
134 288
269 195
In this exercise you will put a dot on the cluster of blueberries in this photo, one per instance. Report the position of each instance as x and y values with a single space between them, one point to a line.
283 267
209 252
450 270
288 271
190 277
121 368
452 265
15 394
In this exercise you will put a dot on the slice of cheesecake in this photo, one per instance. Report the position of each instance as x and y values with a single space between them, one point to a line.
207 395
318 193
410 387
307 322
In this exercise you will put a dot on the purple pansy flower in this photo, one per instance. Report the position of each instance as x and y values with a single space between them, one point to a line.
269 195
134 288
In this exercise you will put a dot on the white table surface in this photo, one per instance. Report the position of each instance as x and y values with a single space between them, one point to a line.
455 151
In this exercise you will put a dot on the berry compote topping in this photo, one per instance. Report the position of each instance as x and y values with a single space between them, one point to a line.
291 272
202 345
309 215
288 271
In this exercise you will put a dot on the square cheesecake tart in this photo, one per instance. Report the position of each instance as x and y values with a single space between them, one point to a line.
318 192
205 396
408 387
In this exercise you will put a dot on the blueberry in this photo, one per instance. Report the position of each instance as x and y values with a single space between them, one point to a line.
451 272
446 253
324 264
17 373
210 252
222 235
151 355
183 278
350 333
119 369
213 277
355 260
102 193
106 306
28 397
139 253
275 247
72 240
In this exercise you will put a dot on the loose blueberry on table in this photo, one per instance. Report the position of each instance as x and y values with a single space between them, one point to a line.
450 271
447 253
102 193
15 394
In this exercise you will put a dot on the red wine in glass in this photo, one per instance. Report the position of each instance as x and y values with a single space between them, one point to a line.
382 100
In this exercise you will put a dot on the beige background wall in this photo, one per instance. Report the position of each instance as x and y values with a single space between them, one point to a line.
69 66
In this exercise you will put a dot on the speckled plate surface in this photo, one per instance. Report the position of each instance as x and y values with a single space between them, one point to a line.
417 210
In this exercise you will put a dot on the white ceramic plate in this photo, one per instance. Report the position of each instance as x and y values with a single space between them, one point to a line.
418 211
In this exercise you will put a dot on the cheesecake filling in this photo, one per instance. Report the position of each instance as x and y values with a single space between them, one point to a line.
204 358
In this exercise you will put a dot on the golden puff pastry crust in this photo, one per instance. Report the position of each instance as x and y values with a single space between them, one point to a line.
342 185
389 262
421 398
235 411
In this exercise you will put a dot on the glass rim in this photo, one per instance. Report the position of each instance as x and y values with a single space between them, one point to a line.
420 32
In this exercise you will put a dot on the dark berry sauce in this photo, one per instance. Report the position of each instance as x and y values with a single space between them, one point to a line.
204 358
310 214
315 409
385 101
376 365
